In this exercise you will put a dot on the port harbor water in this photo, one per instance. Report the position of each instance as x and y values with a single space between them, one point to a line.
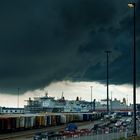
104 128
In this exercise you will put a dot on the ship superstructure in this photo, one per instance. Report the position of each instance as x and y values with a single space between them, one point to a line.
49 104
42 104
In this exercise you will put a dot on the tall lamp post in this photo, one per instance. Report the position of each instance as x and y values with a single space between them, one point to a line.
91 97
133 5
18 99
107 82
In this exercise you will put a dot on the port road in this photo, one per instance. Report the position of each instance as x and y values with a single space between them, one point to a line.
28 134
105 131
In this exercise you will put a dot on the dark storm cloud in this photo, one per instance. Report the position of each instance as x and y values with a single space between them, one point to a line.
50 40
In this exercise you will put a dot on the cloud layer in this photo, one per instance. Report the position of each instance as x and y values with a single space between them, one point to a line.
50 40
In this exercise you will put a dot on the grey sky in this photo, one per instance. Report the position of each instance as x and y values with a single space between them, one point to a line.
53 40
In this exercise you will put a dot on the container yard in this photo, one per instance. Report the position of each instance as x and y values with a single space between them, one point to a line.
50 126
22 122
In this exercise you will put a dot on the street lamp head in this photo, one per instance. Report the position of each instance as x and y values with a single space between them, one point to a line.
107 51
131 5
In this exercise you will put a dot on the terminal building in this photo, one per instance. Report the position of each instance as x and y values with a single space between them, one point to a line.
11 110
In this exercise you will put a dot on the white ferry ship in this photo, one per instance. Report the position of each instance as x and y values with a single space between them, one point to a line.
49 104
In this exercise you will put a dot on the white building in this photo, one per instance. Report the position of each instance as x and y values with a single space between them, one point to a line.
6 110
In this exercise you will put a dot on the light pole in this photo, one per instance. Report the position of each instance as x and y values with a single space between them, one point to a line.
18 99
94 104
127 101
91 96
107 78
111 102
133 5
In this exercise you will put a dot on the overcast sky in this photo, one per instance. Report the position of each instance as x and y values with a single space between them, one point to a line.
45 42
